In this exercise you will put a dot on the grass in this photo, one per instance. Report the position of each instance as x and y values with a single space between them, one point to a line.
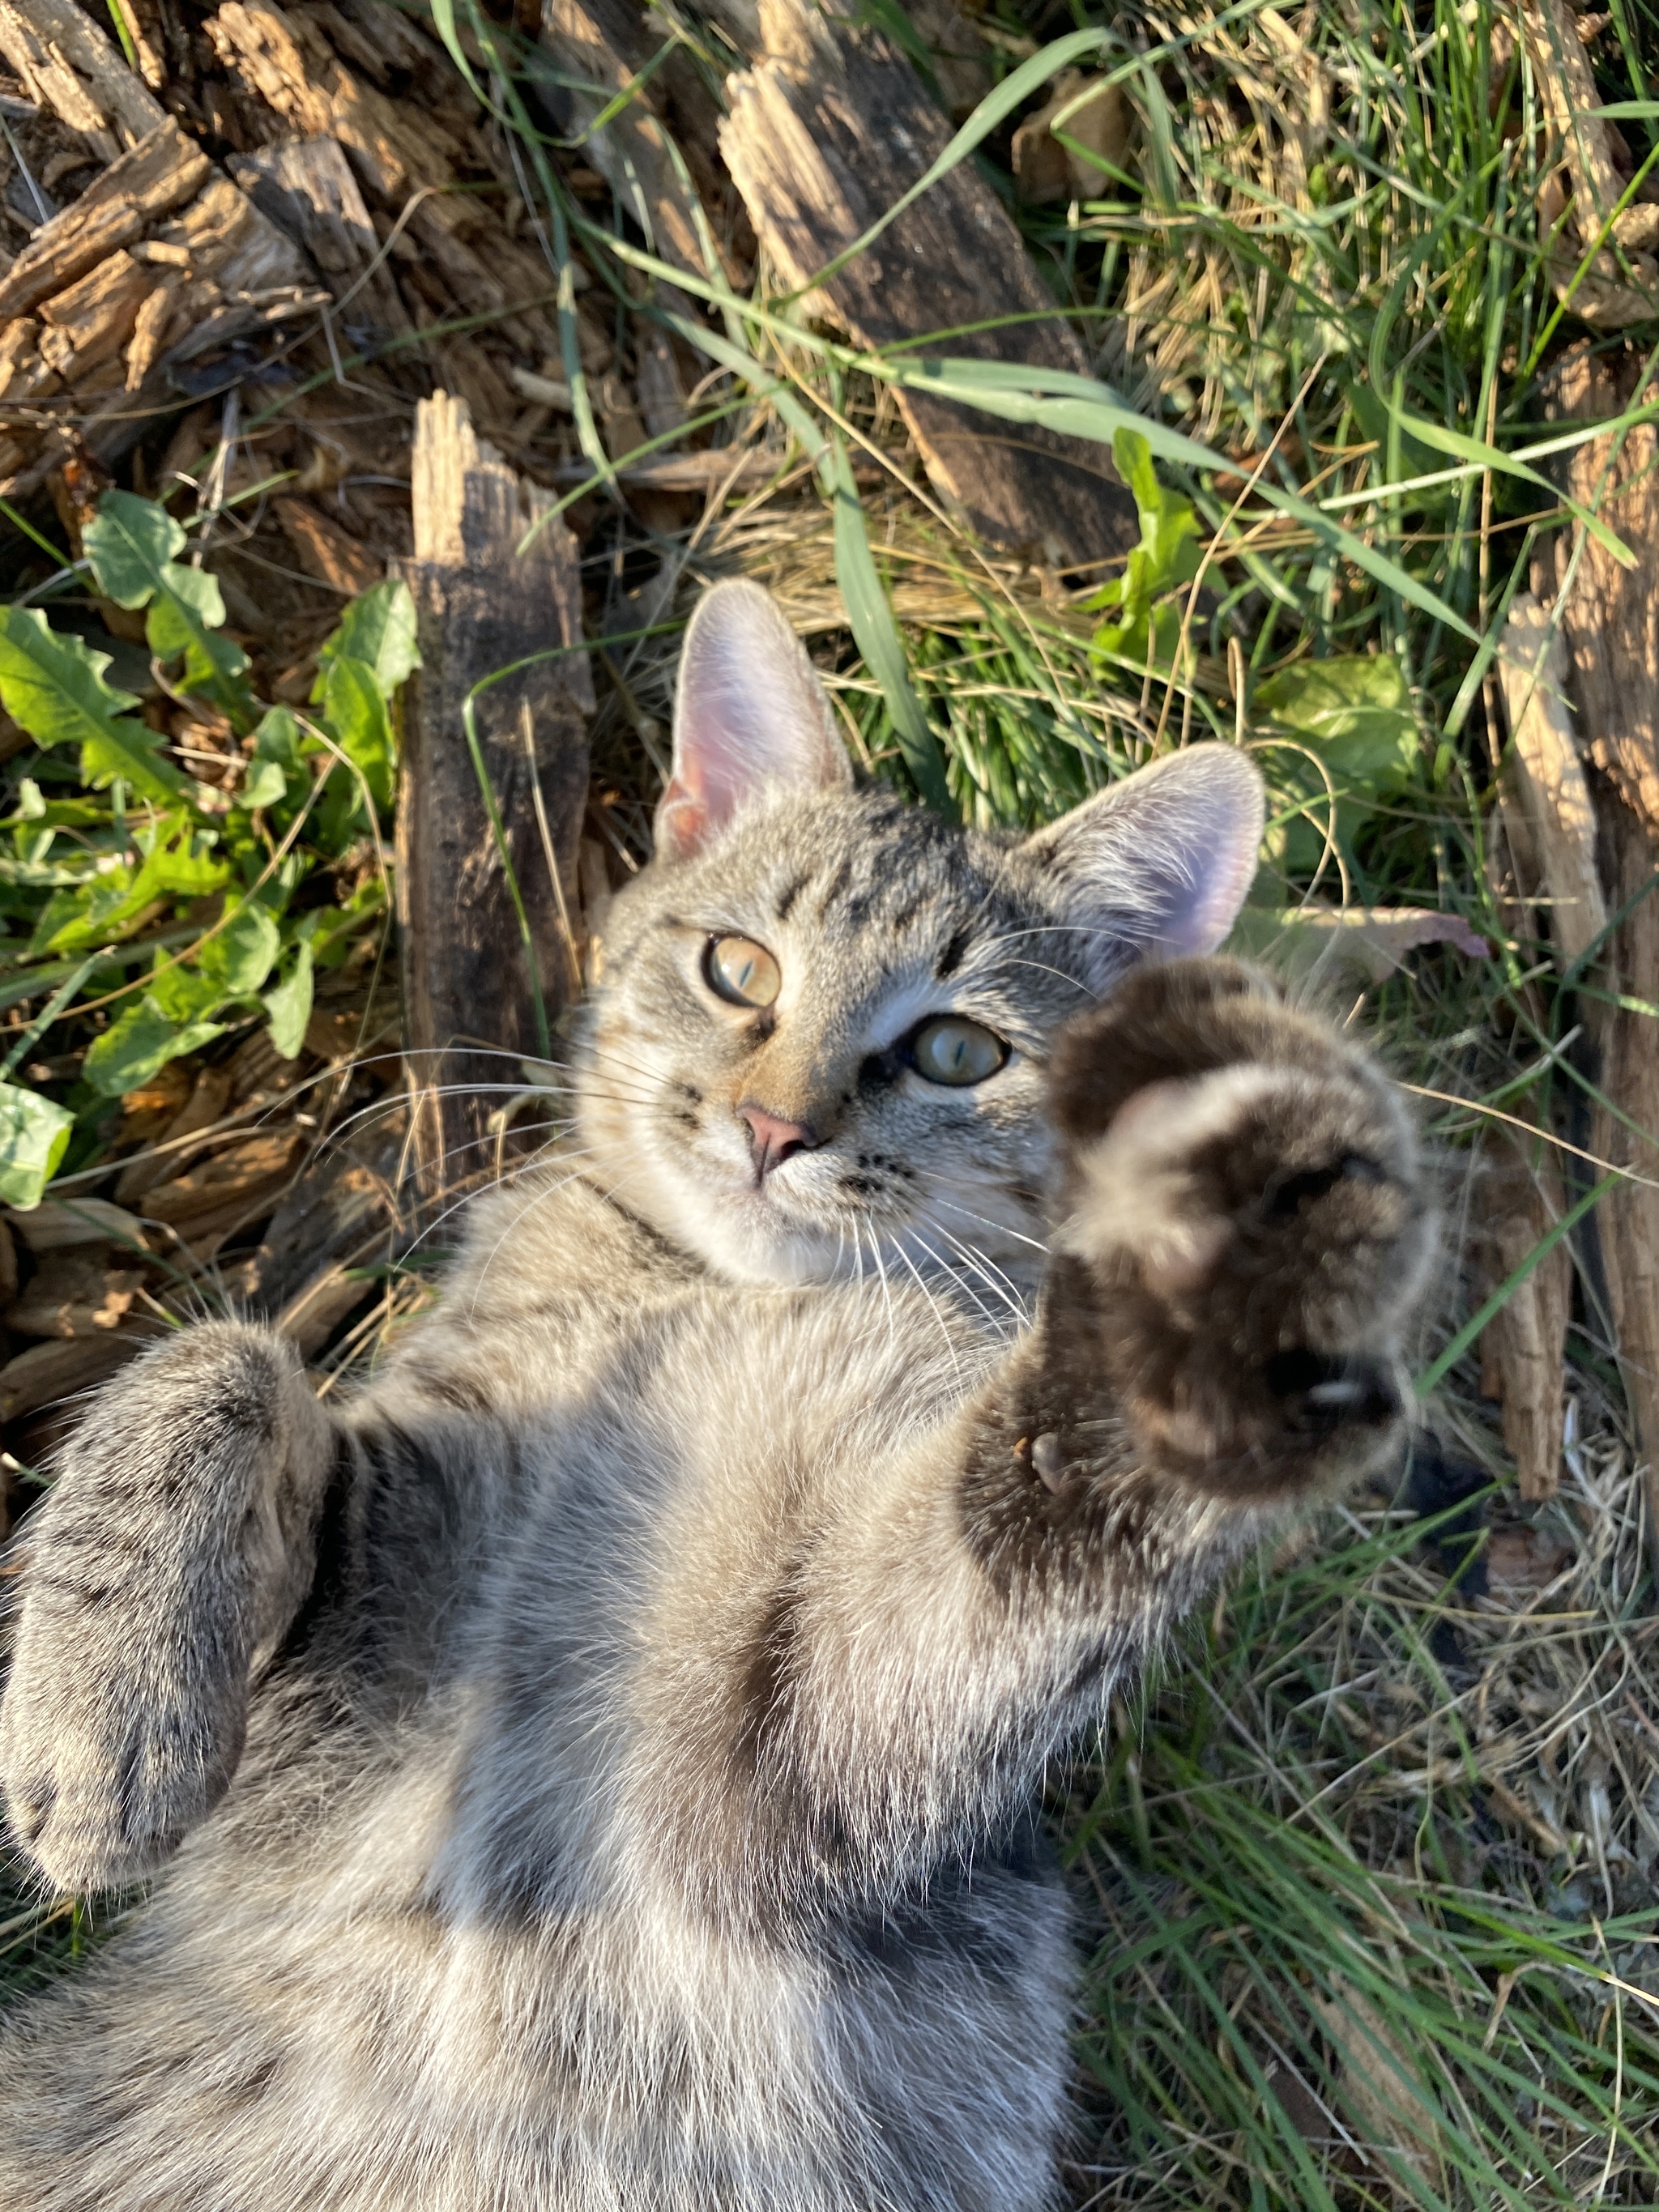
1366 1871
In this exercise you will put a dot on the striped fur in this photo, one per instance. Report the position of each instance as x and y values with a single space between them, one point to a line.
592 1767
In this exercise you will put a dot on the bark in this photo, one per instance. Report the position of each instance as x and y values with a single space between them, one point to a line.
65 61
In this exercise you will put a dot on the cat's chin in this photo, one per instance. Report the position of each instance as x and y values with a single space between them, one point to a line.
747 1234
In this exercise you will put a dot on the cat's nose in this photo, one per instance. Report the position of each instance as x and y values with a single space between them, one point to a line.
771 1141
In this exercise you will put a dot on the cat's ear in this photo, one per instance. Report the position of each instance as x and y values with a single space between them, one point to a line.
750 718
1161 862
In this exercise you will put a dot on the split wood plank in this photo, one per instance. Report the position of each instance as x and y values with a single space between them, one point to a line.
1628 1218
1522 1197
825 135
482 606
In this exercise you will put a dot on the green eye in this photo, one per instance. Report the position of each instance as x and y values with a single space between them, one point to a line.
742 971
955 1051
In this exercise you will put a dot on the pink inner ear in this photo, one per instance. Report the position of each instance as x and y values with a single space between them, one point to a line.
751 720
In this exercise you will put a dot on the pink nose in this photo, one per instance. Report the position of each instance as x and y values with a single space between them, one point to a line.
772 1142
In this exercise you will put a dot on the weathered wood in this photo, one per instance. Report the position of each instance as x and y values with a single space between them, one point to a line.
1521 1199
468 991
822 138
1546 778
161 260
159 173
1611 617
65 61
1578 202
1611 625
306 188
602 43
1628 1218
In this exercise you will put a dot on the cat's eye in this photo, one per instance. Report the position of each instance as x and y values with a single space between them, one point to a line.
953 1049
741 971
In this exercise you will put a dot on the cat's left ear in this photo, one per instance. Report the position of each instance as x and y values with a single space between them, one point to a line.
751 720
1160 864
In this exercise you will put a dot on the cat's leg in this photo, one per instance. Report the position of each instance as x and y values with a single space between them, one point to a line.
167 1562
1219 1345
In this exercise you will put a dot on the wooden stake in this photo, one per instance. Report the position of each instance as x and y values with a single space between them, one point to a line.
469 982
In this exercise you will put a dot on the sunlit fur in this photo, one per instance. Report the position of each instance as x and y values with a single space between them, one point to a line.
591 1769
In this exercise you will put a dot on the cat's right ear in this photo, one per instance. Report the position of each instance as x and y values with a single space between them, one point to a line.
750 719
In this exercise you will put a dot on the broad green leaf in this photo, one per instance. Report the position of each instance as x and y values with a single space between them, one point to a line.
130 542
1143 633
355 711
53 684
181 864
244 952
35 1132
378 630
290 1005
264 785
184 993
144 1039
1356 712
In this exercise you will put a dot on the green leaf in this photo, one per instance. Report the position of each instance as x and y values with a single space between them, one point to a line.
1166 557
185 994
378 630
180 864
264 785
1356 712
244 952
144 1039
290 1005
34 1133
130 542
53 685
355 709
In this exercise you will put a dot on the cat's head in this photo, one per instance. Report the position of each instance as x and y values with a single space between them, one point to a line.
820 1038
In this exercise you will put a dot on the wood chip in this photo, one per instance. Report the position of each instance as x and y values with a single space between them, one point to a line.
161 173
323 550
307 188
227 1189
75 1293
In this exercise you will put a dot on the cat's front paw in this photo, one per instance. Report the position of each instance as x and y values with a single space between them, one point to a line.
1244 1199
110 1753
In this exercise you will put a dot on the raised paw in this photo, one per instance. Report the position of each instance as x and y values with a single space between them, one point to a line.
1244 1193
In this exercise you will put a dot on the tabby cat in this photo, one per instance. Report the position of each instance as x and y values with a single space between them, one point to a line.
593 1768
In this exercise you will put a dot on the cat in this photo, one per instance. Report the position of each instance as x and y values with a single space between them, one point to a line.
593 1767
